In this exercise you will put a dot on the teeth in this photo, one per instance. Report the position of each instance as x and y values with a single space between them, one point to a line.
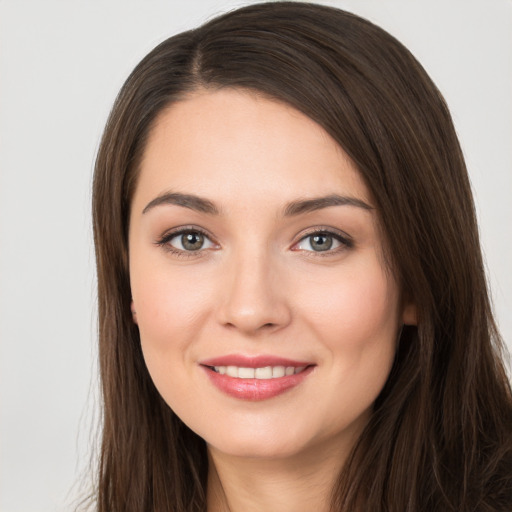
267 372
246 373
278 371
232 371
263 373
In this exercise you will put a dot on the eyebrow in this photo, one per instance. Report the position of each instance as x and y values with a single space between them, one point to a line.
186 200
310 205
294 208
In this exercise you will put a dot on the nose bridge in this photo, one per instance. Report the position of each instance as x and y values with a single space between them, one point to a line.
254 298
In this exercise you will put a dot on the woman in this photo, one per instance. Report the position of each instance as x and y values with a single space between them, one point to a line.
293 309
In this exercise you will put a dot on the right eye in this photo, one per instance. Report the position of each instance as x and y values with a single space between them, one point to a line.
186 240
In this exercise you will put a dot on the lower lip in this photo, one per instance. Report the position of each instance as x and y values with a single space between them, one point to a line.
256 389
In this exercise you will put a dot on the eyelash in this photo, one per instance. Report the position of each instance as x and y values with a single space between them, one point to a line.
167 237
345 241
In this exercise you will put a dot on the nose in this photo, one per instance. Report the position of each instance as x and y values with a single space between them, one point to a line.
254 298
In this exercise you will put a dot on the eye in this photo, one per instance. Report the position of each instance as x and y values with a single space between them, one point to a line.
323 241
186 240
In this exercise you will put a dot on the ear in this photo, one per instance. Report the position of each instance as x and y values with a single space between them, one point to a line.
409 314
134 313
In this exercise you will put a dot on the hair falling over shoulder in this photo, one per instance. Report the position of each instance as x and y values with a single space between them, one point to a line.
440 436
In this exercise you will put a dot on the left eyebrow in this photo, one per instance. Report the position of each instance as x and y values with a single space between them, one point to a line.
317 203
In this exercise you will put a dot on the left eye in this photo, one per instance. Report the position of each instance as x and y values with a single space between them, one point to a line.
320 242
190 241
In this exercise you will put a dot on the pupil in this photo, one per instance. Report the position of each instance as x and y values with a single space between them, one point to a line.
192 241
321 242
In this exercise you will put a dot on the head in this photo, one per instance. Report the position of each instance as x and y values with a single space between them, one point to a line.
368 94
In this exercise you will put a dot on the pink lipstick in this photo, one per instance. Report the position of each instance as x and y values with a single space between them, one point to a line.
255 378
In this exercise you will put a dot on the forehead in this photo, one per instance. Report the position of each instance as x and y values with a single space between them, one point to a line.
233 144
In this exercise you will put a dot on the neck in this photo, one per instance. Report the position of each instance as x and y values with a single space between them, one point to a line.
300 483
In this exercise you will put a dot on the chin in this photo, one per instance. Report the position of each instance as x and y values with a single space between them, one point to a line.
255 448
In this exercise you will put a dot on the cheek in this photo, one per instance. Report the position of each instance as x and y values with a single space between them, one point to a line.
169 313
169 310
355 316
174 311
356 319
355 307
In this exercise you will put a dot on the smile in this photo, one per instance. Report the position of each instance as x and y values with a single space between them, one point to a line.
255 378
263 373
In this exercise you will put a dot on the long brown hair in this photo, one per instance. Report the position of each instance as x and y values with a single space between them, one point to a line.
440 434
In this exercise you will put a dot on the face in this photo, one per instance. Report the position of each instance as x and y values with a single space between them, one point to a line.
267 318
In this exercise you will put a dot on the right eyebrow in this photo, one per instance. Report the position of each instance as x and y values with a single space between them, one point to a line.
186 200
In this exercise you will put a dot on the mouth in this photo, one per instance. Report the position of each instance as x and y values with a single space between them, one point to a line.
261 373
256 378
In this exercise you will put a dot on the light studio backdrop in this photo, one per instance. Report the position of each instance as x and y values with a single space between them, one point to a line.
61 65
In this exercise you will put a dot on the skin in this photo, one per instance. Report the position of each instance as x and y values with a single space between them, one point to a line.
257 286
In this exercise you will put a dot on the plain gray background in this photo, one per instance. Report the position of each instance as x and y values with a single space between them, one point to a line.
61 65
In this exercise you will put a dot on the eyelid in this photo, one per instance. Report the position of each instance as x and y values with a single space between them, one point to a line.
168 235
345 240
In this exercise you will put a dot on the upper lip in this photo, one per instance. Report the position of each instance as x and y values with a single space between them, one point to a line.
260 361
